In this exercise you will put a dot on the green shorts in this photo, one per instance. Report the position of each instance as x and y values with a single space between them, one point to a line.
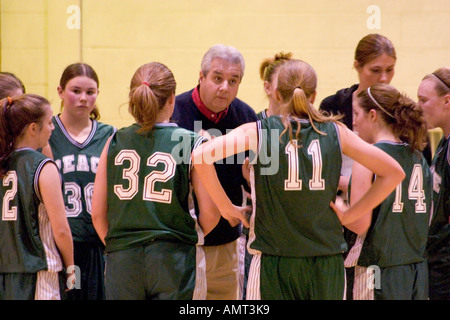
163 270
17 286
403 282
304 278
406 282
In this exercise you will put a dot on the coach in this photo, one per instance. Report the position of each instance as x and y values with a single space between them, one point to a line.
212 108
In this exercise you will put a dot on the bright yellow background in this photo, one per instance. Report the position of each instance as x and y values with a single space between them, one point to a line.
117 36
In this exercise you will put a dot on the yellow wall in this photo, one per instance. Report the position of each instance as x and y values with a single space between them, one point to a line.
39 38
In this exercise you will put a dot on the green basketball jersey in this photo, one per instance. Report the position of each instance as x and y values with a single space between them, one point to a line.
439 241
149 191
399 229
262 115
21 247
77 163
294 187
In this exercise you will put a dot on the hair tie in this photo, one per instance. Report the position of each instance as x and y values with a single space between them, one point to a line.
146 83
378 105
298 87
9 100
441 79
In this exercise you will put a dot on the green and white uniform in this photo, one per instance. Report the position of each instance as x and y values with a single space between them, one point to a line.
151 212
77 163
439 241
292 221
27 246
396 240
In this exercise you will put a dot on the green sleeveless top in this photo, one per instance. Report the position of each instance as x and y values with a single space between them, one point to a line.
294 184
77 163
399 229
26 239
439 240
149 191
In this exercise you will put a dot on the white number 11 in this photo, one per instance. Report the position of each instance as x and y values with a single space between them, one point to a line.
293 182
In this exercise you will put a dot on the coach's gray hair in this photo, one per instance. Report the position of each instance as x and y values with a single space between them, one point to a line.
220 51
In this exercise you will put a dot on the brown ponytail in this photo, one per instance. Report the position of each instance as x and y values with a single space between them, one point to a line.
151 86
398 112
297 82
16 113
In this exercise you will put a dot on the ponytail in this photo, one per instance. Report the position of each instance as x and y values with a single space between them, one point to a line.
270 65
409 125
6 141
151 86
16 114
297 83
398 112
144 106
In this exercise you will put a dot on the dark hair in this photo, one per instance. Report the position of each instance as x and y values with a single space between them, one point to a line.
9 84
150 88
16 113
76 70
399 112
372 46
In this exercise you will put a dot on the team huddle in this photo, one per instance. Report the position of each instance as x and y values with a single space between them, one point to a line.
202 198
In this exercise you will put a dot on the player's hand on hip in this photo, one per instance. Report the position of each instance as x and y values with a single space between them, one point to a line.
237 215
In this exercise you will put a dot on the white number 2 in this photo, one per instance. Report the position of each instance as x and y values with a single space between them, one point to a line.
131 174
415 192
293 182
9 214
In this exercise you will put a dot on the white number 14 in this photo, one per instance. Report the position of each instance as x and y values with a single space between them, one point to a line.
415 192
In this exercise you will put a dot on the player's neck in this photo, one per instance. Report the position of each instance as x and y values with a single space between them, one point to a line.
386 135
78 129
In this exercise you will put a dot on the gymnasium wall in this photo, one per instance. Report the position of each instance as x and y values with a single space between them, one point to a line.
39 38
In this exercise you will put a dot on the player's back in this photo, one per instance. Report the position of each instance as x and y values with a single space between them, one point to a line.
21 248
399 228
149 186
293 215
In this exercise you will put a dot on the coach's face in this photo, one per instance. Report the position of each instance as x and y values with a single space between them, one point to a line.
220 86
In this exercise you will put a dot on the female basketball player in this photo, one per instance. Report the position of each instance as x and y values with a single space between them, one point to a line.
143 206
398 233
295 236
268 72
434 99
34 232
76 145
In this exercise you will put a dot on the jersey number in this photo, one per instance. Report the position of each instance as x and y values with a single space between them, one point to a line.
9 213
415 192
293 182
131 174
73 194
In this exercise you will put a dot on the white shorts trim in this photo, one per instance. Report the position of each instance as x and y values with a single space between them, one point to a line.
47 286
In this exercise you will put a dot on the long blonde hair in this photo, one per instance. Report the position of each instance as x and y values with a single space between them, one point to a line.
297 82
